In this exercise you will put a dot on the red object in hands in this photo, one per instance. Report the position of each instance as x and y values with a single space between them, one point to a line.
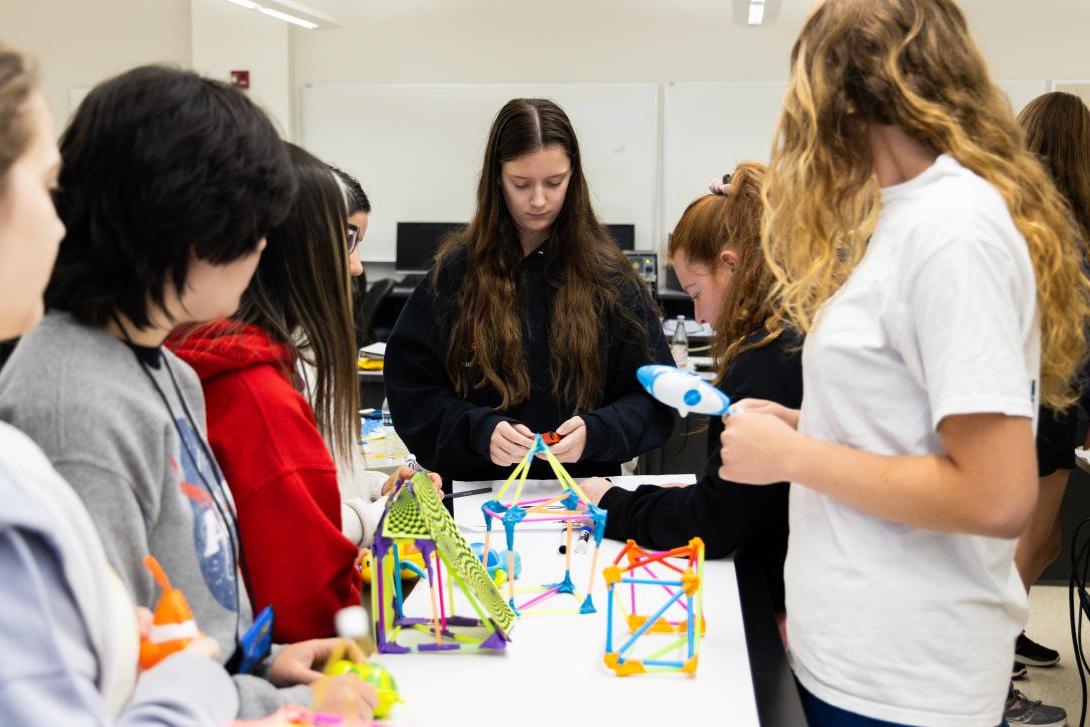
550 438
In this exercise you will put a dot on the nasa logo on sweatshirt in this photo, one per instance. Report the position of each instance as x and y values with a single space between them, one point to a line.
210 536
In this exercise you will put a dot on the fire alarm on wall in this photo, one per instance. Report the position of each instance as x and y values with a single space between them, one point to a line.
240 79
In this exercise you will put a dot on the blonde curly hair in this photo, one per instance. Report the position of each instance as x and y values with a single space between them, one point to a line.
912 64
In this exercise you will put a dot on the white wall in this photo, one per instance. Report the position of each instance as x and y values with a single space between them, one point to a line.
635 40
226 37
517 41
78 44
81 42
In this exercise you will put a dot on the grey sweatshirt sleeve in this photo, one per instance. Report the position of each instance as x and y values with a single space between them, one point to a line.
123 517
47 673
258 698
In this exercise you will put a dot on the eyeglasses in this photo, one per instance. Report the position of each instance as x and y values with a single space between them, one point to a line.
353 238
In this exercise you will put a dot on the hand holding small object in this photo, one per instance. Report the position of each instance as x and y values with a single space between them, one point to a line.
755 448
509 443
200 645
573 441
301 662
345 694
763 406
406 473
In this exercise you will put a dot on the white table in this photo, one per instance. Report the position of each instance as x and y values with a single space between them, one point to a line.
552 672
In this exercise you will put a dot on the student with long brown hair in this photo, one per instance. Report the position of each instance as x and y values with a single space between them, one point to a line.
532 320
275 449
1057 128
716 251
934 269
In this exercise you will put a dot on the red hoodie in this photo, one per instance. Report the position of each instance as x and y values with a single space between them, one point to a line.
283 479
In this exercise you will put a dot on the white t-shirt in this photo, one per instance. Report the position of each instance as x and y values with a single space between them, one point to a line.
939 318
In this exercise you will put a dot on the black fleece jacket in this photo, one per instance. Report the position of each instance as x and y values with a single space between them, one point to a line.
451 435
726 515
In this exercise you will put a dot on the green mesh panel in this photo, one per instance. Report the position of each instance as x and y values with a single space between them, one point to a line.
404 518
456 551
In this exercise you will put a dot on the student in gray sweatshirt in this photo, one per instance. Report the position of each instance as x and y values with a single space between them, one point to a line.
168 186
68 627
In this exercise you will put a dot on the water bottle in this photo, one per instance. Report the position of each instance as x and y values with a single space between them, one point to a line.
387 431
679 344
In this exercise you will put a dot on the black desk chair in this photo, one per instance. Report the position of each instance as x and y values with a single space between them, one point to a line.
366 307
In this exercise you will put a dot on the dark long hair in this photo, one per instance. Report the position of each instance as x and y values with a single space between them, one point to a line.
160 165
300 296
1057 127
594 280
732 221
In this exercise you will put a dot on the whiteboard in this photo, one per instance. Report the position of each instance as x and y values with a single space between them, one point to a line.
708 128
417 148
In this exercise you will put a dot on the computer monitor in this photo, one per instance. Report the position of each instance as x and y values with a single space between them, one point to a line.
623 235
417 243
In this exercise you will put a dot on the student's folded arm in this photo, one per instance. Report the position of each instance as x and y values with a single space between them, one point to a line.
633 423
725 515
258 698
182 689
444 431
986 484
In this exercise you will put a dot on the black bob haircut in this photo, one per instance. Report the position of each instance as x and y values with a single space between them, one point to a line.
357 198
159 164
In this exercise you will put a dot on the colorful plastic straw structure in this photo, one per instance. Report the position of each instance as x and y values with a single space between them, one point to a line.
571 506
648 570
415 514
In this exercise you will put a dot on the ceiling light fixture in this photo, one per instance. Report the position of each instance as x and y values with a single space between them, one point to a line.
288 18
756 12
290 12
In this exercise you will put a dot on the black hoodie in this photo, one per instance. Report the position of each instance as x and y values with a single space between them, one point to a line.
726 515
451 435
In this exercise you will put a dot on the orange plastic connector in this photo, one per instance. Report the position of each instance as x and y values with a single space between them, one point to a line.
690 666
662 626
612 574
173 627
683 625
698 548
624 668
690 582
